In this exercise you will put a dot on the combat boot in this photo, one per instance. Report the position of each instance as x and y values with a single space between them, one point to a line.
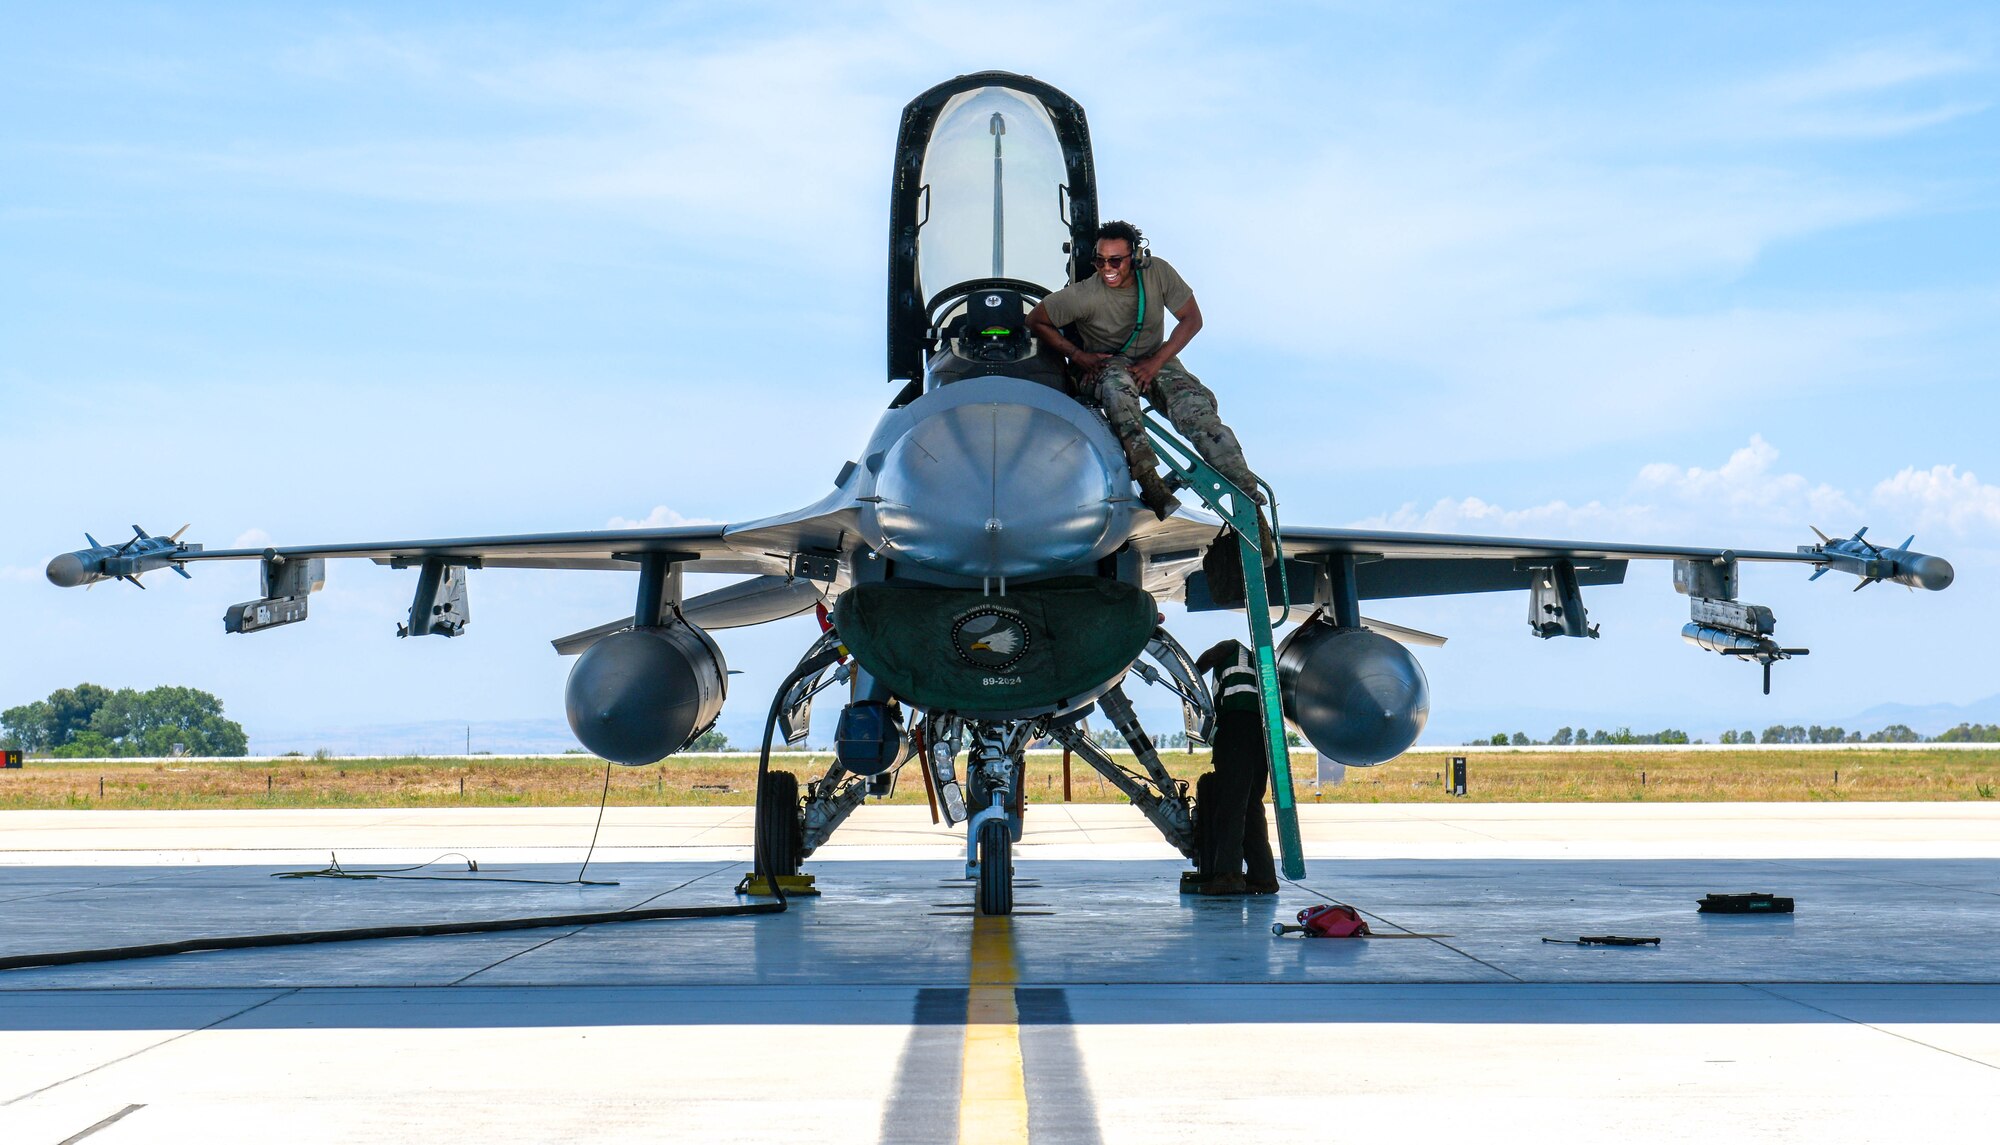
1222 885
1156 495
1260 886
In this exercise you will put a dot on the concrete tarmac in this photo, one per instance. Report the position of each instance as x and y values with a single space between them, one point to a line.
1108 1009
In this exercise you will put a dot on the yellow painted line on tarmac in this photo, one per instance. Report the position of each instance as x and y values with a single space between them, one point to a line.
993 1091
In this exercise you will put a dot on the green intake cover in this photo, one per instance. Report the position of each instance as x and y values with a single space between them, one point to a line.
1038 647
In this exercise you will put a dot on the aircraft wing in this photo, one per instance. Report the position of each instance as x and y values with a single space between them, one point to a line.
1337 569
1391 564
1403 564
705 545
775 552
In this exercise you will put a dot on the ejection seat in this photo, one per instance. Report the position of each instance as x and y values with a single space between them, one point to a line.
985 332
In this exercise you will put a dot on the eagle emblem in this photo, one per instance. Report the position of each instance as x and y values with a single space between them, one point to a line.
990 638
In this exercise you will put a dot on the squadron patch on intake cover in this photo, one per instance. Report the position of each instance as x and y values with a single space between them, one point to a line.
990 638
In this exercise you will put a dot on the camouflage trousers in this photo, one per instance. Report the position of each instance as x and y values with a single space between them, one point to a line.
1188 404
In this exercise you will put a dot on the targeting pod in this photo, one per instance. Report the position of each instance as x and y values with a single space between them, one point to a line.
1720 623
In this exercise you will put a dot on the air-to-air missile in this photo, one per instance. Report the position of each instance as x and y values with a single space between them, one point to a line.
142 554
1872 562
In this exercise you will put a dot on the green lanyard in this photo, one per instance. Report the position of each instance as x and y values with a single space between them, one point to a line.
1140 322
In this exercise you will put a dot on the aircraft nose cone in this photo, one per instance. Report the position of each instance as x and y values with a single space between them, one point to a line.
996 490
67 571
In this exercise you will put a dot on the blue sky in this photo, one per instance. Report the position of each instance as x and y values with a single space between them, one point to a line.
1699 273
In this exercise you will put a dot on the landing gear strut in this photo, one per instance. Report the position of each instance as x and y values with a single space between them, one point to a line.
995 772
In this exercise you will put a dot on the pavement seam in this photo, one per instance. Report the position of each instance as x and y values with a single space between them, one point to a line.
1407 930
1077 823
517 954
1765 990
114 1119
581 929
732 865
92 887
156 1045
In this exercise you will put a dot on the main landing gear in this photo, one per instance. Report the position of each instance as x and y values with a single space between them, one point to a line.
794 820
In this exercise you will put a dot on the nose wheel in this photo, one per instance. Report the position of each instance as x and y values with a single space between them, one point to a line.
996 867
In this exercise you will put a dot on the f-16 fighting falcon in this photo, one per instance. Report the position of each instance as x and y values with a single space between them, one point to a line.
987 575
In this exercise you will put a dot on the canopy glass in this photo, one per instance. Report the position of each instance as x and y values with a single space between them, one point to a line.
996 202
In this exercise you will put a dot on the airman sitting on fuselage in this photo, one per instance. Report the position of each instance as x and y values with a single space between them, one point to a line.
1117 314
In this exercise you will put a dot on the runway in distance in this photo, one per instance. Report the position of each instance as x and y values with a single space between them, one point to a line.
985 571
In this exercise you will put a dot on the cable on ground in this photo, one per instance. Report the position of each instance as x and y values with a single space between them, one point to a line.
823 653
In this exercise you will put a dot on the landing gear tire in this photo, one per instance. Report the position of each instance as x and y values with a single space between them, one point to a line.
996 868
777 823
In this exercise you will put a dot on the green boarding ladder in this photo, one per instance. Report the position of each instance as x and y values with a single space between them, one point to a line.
1236 507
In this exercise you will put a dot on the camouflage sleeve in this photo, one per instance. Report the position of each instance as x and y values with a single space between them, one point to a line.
1174 291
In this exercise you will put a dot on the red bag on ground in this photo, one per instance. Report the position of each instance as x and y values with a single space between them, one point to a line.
1332 921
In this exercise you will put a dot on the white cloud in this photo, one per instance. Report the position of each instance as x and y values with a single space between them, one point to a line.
660 518
251 539
1746 485
19 574
1666 503
1941 495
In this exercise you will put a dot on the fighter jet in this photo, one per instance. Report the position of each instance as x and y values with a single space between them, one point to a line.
984 572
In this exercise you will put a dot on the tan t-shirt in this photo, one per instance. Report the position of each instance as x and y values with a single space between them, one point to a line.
1104 316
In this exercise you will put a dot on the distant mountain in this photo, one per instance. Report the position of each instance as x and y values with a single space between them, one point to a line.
1930 719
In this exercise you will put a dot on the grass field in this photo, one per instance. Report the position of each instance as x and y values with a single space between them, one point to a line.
726 780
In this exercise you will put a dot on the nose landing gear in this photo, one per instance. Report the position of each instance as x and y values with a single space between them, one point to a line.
996 773
996 868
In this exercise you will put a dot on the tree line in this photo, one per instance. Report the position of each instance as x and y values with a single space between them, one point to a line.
90 721
1776 733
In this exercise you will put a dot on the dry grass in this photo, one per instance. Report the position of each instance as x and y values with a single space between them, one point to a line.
726 780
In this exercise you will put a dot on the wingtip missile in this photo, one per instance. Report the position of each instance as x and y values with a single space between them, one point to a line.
1872 562
126 561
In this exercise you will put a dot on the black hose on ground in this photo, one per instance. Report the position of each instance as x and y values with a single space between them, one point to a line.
823 654
415 930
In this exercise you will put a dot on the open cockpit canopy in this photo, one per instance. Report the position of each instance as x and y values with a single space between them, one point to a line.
993 190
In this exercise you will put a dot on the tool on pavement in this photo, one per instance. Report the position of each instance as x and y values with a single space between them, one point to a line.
1604 940
1744 904
1328 921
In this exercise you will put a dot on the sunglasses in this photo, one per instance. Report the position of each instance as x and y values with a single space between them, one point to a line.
1114 261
